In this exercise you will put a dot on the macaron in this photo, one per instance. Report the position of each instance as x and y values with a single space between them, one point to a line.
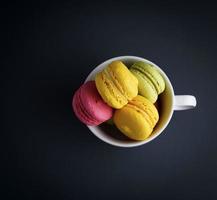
116 84
89 107
151 83
137 119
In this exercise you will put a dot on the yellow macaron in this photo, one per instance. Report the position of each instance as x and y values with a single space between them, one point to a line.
116 84
137 119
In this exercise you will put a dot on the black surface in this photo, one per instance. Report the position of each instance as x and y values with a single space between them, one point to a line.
51 47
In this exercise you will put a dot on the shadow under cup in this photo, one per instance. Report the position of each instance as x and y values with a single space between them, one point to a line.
110 134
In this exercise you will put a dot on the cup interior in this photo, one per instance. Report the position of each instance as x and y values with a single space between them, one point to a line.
110 134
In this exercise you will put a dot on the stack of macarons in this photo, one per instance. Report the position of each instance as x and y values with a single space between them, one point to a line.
125 95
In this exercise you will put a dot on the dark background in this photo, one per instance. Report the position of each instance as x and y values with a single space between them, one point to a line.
49 49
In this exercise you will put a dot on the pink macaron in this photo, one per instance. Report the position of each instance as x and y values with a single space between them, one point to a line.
89 106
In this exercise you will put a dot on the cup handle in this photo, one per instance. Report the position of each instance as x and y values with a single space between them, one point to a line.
184 102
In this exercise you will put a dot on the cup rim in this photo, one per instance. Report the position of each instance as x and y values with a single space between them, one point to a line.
149 139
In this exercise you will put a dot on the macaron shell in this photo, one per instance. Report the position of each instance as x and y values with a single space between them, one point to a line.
151 83
116 85
152 73
93 103
110 94
146 107
80 112
132 124
137 119
145 87
124 78
89 106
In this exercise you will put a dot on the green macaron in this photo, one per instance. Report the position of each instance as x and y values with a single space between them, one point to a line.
151 83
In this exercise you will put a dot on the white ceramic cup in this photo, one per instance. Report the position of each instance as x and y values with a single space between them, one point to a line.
168 100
